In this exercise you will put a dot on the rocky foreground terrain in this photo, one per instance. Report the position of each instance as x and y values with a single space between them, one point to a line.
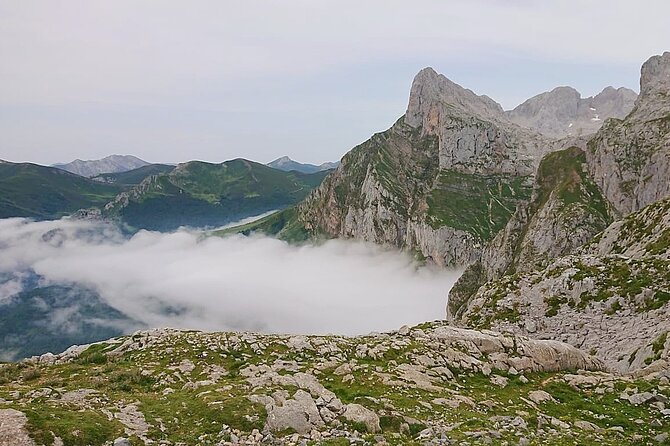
431 384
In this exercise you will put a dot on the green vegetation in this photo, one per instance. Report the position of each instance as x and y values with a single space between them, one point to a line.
562 174
283 225
479 204
201 194
30 190
135 176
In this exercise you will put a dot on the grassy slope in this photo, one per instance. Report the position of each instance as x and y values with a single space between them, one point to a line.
30 190
203 194
479 204
135 176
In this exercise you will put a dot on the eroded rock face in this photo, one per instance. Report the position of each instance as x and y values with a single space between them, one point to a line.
474 134
565 211
630 159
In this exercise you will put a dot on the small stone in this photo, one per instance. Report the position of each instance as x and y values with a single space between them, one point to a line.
640 398
539 396
498 380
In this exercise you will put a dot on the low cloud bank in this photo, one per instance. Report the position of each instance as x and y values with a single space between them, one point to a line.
184 279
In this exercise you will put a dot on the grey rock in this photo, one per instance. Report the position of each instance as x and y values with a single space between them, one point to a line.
298 413
539 396
630 159
360 414
13 428
109 164
563 112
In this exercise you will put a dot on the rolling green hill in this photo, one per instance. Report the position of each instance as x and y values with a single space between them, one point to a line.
135 176
200 194
40 192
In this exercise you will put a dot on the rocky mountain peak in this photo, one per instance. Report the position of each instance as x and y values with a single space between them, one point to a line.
655 75
563 112
654 100
431 92
109 164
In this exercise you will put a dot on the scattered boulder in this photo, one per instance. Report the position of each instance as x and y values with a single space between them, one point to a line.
540 396
359 414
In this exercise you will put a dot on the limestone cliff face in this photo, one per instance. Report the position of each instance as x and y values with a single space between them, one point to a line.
612 297
563 112
441 181
629 159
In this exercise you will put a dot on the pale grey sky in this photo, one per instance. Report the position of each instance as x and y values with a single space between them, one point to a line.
213 80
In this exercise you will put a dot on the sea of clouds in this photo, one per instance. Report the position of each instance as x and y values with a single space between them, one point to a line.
188 280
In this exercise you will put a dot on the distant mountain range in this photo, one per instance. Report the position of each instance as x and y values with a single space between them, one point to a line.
287 164
154 196
109 164
563 112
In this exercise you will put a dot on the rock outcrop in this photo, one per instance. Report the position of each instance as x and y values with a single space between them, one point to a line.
548 274
13 429
629 159
566 210
611 298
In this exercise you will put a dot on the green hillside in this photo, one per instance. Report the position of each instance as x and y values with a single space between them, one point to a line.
135 176
200 194
30 190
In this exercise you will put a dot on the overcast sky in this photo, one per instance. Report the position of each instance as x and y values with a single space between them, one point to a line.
212 80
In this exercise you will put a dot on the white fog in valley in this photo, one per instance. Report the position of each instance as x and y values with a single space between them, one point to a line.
232 283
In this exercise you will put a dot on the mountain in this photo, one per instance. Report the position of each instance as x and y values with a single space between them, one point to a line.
287 164
562 111
200 194
40 192
109 164
430 384
449 175
444 179
134 176
553 273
